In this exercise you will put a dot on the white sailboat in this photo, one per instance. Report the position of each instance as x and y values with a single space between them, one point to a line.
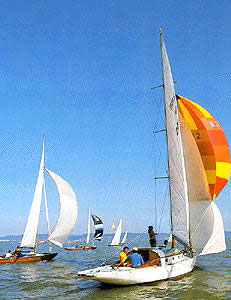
199 168
65 223
116 239
97 236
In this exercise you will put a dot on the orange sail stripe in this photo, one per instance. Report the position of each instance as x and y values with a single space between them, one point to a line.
211 141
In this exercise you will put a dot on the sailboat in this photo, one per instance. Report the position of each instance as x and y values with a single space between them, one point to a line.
64 226
97 236
198 169
116 239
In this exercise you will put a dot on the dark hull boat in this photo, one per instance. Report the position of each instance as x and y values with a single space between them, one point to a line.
34 257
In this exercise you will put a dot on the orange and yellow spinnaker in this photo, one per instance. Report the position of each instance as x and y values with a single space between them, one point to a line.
211 141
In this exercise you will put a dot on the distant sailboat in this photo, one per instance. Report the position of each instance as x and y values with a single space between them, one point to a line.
97 236
199 167
116 239
64 226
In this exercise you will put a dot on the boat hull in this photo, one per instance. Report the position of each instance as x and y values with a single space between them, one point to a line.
28 258
131 276
80 249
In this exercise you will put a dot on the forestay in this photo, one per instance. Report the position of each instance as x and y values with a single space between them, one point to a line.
68 211
29 237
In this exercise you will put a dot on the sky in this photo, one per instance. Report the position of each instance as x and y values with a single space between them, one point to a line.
80 73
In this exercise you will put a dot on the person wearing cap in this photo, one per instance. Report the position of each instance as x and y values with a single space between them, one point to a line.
135 259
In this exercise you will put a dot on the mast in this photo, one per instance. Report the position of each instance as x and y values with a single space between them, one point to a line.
179 211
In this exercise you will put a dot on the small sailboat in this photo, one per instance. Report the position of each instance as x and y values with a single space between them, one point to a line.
199 167
97 236
116 239
64 226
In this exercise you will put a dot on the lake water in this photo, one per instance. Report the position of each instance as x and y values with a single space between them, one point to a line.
210 279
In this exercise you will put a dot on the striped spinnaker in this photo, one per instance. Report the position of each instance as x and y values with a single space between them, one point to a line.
211 141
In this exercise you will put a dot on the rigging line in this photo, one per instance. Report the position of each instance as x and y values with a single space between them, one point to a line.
159 115
165 197
122 247
155 208
201 220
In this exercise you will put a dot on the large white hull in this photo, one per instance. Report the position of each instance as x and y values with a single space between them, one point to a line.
128 276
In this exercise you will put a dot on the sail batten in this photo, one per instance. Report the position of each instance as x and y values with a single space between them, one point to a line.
68 211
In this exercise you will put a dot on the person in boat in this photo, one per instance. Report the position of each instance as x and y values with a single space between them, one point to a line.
164 244
17 252
135 259
123 256
8 254
79 246
152 236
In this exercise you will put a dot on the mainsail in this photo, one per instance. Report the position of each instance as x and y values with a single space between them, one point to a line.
98 228
29 237
177 175
68 211
88 227
116 239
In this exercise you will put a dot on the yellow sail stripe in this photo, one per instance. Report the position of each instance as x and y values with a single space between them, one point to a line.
187 117
223 169
211 176
201 109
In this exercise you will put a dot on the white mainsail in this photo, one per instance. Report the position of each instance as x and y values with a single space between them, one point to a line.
116 239
177 175
88 227
29 237
68 211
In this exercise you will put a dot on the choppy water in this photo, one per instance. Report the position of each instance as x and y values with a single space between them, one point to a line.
211 278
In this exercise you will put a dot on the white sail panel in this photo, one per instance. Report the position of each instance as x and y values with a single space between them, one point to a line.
116 238
29 237
88 227
124 238
216 243
178 185
46 208
68 211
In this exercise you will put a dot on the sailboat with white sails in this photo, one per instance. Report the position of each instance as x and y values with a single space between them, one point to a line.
116 238
64 226
199 167
97 236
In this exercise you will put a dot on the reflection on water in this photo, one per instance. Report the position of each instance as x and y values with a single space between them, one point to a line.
211 279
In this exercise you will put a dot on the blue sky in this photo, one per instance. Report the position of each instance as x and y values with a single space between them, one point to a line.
81 72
